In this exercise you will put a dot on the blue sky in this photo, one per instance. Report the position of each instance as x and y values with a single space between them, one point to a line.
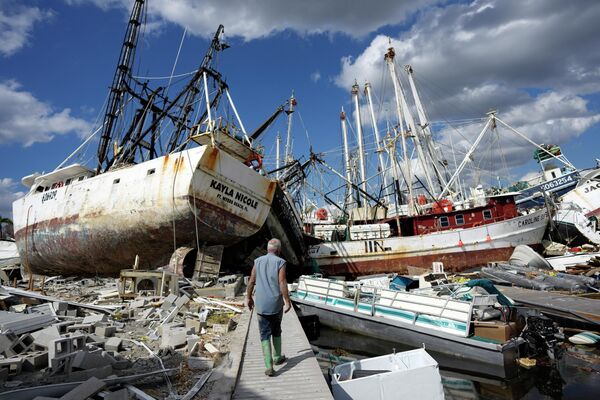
535 61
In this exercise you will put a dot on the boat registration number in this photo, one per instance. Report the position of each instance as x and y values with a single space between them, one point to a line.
51 195
557 182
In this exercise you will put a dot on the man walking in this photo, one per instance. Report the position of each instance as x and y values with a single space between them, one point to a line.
272 300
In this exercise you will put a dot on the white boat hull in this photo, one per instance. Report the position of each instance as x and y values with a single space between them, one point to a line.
98 225
458 249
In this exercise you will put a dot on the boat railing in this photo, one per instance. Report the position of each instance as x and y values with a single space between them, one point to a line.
445 314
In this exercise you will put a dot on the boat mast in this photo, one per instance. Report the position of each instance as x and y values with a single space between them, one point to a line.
288 142
118 87
426 128
379 150
416 136
348 197
389 59
361 149
277 159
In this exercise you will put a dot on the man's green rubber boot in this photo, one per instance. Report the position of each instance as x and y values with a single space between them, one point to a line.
278 358
266 348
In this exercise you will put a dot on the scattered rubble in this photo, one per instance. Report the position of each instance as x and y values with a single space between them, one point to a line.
145 335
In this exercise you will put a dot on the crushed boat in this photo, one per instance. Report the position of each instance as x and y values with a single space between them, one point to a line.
476 328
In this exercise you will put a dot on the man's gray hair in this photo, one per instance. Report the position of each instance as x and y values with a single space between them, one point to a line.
274 245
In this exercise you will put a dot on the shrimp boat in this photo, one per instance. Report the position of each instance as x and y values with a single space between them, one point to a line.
199 183
408 228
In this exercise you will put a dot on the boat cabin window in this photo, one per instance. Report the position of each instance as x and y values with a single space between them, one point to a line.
487 214
68 181
553 174
39 189
444 222
116 181
460 219
151 171
81 178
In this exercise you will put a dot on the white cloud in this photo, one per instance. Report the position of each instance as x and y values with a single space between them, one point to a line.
27 120
252 19
16 26
520 58
8 193
315 76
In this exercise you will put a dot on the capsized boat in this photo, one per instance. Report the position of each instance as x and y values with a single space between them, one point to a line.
171 179
410 374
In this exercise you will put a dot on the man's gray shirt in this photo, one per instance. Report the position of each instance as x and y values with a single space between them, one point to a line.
268 297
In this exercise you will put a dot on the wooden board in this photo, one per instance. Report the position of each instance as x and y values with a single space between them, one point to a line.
299 378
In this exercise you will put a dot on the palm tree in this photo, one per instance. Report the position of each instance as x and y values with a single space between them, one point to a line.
3 221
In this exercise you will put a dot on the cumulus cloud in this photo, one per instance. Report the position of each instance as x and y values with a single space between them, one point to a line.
9 192
27 120
16 24
523 59
252 19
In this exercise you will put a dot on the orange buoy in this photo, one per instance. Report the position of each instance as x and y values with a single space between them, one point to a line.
321 214
460 243
488 238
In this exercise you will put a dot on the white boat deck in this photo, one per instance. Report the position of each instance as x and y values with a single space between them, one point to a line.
299 378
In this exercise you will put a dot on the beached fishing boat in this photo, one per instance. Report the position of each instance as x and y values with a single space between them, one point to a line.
197 183
431 219
579 209
557 177
410 374
463 326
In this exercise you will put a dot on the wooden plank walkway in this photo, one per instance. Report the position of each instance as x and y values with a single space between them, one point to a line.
571 307
299 378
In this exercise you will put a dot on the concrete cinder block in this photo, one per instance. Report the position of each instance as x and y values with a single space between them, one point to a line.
44 336
113 344
71 313
84 328
106 331
95 319
181 301
34 361
138 303
194 324
6 341
191 342
21 345
173 338
168 302
13 365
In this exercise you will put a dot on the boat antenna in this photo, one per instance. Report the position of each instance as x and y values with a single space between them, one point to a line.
119 83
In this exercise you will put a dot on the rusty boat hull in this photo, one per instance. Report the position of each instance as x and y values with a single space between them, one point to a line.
458 249
97 225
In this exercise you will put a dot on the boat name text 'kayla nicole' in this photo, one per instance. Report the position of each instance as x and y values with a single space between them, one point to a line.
232 196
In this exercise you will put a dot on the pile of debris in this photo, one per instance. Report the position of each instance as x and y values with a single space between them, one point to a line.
81 338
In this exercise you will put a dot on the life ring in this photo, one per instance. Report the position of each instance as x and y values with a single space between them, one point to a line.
254 157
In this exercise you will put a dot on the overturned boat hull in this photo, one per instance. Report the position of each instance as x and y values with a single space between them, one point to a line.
99 224
458 249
